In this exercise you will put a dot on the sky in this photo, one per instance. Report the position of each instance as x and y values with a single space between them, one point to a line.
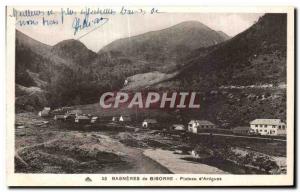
122 26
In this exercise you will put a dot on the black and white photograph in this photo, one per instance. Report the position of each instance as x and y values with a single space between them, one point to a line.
150 96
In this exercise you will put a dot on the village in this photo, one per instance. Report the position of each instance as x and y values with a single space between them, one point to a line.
257 127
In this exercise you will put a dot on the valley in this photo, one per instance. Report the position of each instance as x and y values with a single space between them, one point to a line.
185 57
238 79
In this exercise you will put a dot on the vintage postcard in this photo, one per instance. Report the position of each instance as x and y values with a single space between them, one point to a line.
150 96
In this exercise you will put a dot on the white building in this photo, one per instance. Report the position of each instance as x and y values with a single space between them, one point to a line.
45 112
114 119
149 122
124 118
268 127
178 127
194 125
94 119
82 119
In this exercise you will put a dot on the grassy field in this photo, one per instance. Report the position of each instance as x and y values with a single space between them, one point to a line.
273 148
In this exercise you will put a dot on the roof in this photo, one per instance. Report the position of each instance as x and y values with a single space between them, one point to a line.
267 121
125 117
241 128
177 125
150 120
60 116
202 122
82 117
66 108
45 112
75 111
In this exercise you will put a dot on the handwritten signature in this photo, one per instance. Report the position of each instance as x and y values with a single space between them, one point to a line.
85 23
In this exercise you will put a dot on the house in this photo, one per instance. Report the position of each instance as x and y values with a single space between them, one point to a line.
268 127
72 114
66 108
45 112
75 112
241 130
178 127
194 125
94 119
124 118
60 111
149 123
82 119
59 117
70 117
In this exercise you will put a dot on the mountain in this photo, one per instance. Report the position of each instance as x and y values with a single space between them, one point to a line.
224 35
191 34
255 56
165 49
162 52
36 46
29 54
36 57
58 72
74 52
240 79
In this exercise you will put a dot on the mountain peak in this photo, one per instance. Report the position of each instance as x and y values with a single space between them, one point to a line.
191 23
69 43
73 50
165 46
247 56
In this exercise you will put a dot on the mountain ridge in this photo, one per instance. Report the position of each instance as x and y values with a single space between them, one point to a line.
252 65
183 27
73 74
179 25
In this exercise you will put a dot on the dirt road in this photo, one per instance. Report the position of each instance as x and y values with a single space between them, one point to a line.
175 163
